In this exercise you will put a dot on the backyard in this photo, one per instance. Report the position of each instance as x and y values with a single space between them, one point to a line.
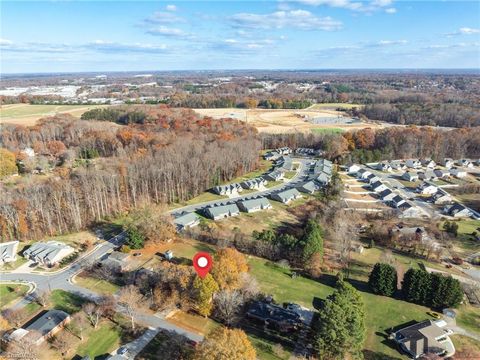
11 292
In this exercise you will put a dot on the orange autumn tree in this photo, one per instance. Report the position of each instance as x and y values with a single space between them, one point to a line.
226 344
228 265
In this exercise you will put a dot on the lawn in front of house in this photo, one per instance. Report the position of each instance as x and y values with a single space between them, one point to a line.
468 317
11 292
100 286
66 301
267 350
382 313
465 243
465 348
100 341
203 197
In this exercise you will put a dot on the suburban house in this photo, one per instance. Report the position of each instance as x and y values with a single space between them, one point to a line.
387 195
426 188
274 316
274 175
323 165
414 233
413 163
410 176
384 166
308 187
397 165
117 260
285 162
353 169
48 253
254 205
457 210
441 197
277 153
230 189
378 186
441 174
422 338
363 174
372 178
254 184
322 178
397 201
222 211
286 196
427 175
44 327
457 172
8 251
408 211
428 163
308 152
465 163
447 162
186 220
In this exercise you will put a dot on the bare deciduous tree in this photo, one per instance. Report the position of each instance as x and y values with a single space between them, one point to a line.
228 305
130 298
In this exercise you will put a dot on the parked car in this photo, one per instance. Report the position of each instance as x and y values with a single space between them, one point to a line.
122 351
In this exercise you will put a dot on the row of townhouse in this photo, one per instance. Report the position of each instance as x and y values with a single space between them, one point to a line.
47 254
427 163
435 174
277 153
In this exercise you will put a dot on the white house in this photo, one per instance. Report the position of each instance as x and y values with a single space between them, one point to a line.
363 174
48 253
410 176
447 162
427 175
353 169
441 174
457 210
8 251
413 163
427 189
384 166
428 163
465 163
457 172
378 187
397 165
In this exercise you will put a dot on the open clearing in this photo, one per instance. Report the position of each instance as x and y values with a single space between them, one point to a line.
285 120
26 114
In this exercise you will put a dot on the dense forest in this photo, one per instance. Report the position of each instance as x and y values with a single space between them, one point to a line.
100 169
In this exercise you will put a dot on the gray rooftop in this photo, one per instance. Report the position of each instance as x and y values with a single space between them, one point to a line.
47 321
185 219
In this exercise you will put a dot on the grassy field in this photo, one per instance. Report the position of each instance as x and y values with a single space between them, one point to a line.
100 286
382 312
466 348
465 242
11 292
68 302
267 350
100 341
333 130
192 322
26 114
468 317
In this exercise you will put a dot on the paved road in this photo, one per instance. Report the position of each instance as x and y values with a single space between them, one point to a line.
299 177
61 280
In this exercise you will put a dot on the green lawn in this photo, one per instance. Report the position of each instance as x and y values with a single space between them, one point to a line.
465 242
468 317
382 312
100 286
101 341
203 197
266 350
11 292
66 301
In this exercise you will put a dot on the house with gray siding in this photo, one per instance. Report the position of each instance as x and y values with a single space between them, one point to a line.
8 251
254 184
308 187
186 220
254 205
274 175
229 189
48 253
222 211
286 196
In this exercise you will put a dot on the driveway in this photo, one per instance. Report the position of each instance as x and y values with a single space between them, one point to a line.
136 346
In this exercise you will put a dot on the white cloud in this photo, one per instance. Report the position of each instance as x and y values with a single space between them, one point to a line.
5 42
464 31
390 42
299 19
162 17
391 10
169 32
114 47
361 6
171 8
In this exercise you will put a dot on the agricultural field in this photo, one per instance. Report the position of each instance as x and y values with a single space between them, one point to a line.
285 120
26 114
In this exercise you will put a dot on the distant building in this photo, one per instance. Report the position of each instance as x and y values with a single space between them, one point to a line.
397 201
372 178
117 261
286 196
230 189
416 233
254 205
186 220
457 172
465 163
410 176
386 195
274 316
447 162
8 251
426 188
285 163
413 163
397 165
427 175
308 187
42 328
441 197
353 169
274 175
428 163
48 253
254 184
422 338
384 166
28 151
441 174
363 174
222 211
457 210
378 187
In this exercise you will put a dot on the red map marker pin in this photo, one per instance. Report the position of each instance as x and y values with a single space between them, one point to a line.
202 262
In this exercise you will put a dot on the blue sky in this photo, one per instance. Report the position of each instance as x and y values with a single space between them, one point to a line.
65 36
